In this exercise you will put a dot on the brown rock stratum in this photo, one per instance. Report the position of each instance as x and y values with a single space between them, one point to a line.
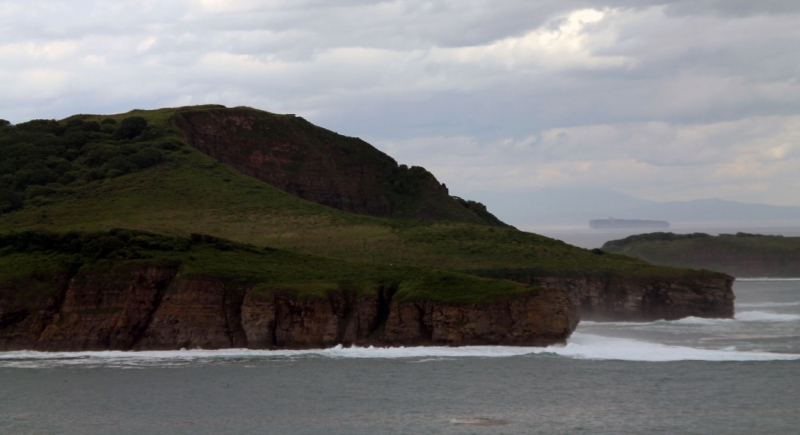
153 308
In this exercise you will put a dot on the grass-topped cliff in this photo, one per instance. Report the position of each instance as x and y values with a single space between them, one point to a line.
741 254
241 175
28 255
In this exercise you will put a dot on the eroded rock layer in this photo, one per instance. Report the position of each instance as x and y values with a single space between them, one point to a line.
154 308
644 299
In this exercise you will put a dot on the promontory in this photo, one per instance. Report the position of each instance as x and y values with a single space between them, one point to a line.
219 227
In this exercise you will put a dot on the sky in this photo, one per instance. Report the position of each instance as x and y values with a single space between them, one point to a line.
662 100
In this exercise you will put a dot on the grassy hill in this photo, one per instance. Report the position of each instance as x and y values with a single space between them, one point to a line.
741 254
93 175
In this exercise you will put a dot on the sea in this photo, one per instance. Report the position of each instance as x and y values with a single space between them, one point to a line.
689 376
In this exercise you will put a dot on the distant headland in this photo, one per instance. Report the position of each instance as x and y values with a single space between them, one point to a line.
612 223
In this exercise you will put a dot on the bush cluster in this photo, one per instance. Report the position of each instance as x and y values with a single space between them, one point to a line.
43 157
114 244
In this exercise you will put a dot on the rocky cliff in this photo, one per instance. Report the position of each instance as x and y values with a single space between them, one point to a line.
630 299
321 166
154 307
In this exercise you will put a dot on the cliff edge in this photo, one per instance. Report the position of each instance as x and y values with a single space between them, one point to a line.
139 291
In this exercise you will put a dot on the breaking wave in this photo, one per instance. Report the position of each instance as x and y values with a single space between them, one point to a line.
580 346
743 316
767 304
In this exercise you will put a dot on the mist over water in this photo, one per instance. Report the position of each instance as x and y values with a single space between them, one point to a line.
692 375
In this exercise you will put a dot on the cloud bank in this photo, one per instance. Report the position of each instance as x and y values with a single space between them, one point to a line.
663 100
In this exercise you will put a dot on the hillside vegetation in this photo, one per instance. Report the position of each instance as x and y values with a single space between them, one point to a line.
183 191
30 254
741 254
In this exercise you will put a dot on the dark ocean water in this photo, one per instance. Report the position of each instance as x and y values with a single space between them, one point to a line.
692 376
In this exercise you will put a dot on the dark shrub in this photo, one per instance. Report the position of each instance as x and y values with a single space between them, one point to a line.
34 174
131 127
91 126
75 123
34 191
120 164
42 126
95 174
9 201
146 157
108 121
4 123
101 154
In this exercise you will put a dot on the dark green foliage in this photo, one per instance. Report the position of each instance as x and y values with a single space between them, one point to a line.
109 121
9 200
652 237
410 181
92 126
131 127
146 157
4 123
41 158
269 269
42 126
115 244
480 210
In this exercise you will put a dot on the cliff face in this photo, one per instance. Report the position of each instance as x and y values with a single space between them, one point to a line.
321 166
630 300
150 308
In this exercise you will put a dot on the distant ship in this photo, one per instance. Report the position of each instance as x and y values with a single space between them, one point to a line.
599 224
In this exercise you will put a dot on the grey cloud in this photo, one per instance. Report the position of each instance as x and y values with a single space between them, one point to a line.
497 76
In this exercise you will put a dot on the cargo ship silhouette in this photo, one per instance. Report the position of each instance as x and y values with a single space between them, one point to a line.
626 223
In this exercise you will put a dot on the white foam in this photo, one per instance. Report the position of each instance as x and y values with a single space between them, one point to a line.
480 421
766 304
593 323
581 346
763 316
587 346
767 279
698 321
742 316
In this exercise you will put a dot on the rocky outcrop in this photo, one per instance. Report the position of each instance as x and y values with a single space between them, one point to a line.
646 299
153 308
106 308
321 166
540 319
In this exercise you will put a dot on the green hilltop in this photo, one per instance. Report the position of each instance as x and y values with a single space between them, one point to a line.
137 171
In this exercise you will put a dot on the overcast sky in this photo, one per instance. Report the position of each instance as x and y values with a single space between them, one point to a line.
662 100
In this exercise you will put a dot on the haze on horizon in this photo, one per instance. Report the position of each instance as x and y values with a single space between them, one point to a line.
660 100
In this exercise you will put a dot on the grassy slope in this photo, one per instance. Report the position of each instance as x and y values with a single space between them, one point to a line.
738 255
192 193
268 270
